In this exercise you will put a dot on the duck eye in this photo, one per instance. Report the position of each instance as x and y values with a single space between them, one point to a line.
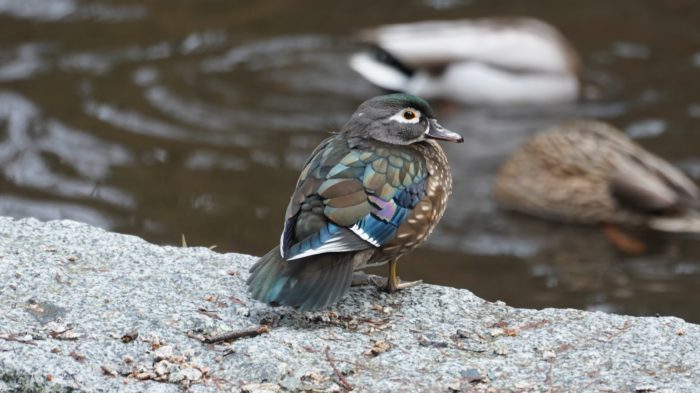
409 115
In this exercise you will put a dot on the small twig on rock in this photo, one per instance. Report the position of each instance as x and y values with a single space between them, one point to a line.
195 336
210 314
344 382
12 337
236 334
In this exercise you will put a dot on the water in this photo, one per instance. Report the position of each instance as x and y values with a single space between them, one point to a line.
165 118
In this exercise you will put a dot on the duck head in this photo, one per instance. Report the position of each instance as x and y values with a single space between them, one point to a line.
398 119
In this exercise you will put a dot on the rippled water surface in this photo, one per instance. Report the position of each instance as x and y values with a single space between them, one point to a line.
167 117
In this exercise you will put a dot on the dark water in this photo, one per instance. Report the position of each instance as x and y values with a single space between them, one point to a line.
169 117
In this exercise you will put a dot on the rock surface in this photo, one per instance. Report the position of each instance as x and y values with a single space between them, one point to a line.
88 310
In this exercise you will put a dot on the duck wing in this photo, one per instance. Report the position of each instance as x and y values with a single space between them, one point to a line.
646 183
351 199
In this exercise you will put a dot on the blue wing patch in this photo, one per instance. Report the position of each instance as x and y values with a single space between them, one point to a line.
411 195
331 238
377 231
381 225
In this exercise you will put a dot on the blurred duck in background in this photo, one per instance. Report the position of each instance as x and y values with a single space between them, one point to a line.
589 172
488 61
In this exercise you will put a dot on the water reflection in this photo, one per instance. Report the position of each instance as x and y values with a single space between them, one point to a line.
158 120
70 10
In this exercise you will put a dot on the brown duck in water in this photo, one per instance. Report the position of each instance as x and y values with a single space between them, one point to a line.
589 172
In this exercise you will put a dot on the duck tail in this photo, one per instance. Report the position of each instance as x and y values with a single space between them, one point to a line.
689 223
382 69
307 284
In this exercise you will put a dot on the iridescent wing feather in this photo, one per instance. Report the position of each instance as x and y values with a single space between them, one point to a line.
351 199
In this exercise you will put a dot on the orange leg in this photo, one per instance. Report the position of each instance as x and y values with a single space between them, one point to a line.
623 241
390 284
393 282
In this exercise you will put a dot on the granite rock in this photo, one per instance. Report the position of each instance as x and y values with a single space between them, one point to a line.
83 309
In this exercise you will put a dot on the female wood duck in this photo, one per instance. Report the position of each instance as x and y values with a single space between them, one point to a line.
480 61
367 195
589 172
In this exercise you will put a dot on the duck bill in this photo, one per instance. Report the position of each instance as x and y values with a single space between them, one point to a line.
436 131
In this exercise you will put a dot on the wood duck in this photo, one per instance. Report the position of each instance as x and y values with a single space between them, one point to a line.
367 195
480 61
589 172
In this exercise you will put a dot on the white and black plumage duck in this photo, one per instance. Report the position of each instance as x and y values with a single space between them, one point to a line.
490 61
367 195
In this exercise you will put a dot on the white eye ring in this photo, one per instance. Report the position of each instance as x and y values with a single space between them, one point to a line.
407 116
